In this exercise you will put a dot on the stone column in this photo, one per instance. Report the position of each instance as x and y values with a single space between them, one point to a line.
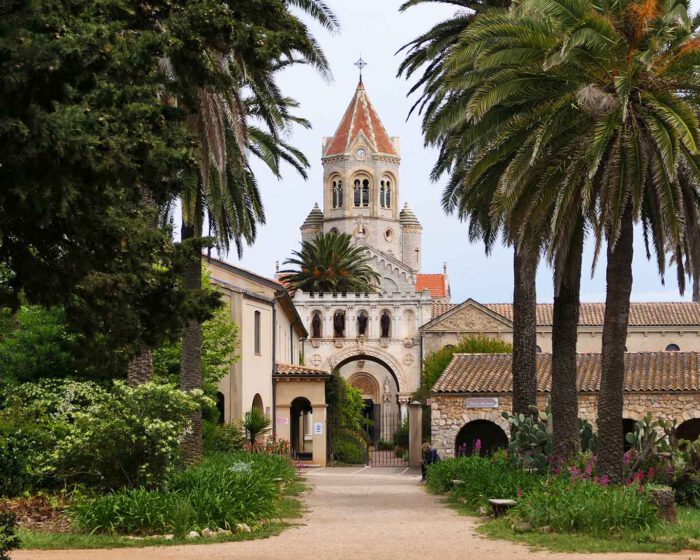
415 435
319 439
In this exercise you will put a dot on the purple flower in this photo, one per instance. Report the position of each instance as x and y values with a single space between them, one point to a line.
477 445
603 481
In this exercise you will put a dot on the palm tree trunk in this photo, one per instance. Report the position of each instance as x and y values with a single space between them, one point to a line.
191 361
524 330
564 338
695 262
617 306
140 368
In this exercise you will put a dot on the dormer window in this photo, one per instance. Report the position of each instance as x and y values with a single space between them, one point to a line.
385 194
337 187
361 193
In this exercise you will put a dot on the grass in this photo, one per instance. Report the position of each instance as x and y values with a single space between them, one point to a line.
664 538
291 508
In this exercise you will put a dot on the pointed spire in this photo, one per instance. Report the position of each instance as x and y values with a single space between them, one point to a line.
315 219
361 117
407 217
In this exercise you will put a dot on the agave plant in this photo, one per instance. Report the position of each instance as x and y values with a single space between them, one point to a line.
255 424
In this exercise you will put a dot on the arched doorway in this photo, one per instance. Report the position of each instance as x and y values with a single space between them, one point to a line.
369 388
301 426
258 403
690 430
490 435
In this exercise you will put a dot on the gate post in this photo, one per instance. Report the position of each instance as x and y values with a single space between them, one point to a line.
415 435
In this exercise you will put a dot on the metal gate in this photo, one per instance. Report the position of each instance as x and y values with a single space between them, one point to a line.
382 443
389 442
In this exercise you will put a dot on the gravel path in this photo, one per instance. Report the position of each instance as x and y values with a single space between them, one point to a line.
369 513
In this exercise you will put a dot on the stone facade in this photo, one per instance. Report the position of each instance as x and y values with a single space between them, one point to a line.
449 413
378 346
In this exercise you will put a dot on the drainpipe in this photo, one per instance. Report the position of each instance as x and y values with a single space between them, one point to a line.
274 366
291 342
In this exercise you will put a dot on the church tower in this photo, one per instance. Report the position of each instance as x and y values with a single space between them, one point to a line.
361 186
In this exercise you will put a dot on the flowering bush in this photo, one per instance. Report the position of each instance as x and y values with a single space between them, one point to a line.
105 438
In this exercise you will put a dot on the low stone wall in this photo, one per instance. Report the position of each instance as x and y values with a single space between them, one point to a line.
449 413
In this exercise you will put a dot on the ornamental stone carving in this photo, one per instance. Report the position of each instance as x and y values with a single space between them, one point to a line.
470 319
408 343
384 342
408 359
315 343
316 360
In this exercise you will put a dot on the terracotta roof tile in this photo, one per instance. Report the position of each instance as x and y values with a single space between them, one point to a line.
435 283
292 370
644 371
642 314
360 117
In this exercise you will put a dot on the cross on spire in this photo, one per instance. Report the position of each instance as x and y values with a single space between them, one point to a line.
360 64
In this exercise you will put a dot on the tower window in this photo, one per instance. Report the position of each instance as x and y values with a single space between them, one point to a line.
337 194
385 194
361 193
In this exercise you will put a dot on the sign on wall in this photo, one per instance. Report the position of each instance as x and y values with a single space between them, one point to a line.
318 428
481 402
283 421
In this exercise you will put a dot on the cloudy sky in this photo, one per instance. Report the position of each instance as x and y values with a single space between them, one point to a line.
376 30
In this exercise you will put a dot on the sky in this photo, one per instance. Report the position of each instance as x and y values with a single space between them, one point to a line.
375 30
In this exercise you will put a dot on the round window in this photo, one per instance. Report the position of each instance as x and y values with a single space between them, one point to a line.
388 235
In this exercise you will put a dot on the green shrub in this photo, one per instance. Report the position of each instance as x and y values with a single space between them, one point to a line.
224 490
8 538
350 448
586 507
59 431
255 425
483 478
687 490
401 435
222 438
385 445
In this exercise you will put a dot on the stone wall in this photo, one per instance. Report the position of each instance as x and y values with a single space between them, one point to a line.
449 412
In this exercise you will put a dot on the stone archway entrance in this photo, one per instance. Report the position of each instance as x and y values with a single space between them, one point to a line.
480 437
385 411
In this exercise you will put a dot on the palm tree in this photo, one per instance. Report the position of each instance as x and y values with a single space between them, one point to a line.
226 124
431 52
330 263
586 112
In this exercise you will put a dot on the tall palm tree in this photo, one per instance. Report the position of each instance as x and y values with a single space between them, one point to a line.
249 116
330 263
588 111
431 52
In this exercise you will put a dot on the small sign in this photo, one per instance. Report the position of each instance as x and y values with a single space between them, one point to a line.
283 421
318 428
481 402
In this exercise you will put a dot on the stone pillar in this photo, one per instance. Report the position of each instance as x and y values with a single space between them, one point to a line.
319 439
415 434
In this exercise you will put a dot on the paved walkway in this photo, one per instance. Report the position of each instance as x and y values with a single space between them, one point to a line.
361 513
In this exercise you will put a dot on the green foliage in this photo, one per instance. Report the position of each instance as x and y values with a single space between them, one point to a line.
255 424
222 438
401 435
331 264
224 490
83 133
345 421
435 363
687 490
8 537
350 447
220 344
649 439
586 507
483 478
531 438
69 431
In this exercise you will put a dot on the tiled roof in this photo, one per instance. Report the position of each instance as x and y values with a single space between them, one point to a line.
360 116
434 283
642 314
644 371
291 370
